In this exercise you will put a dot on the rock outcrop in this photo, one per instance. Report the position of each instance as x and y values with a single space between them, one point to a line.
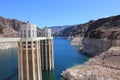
101 35
93 47
102 67
102 40
10 27
71 31
76 30
77 41
57 30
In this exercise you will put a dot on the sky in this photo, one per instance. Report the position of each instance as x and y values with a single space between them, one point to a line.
58 12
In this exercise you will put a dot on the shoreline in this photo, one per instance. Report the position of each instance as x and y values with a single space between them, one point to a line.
8 45
100 67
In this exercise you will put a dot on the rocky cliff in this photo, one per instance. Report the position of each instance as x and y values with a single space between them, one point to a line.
71 31
10 27
77 30
101 35
102 67
57 30
102 40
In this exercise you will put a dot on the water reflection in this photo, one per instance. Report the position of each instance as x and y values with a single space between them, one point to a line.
9 64
65 56
14 74
48 75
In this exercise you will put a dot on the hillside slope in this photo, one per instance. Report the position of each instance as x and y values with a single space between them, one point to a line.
102 40
11 27
71 31
101 35
56 30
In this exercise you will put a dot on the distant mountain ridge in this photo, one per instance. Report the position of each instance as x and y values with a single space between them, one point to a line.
71 30
56 30
12 27
91 28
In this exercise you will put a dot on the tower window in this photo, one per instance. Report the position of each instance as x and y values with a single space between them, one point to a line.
21 34
33 32
24 33
28 33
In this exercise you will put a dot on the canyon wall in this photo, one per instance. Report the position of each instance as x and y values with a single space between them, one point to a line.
102 67
101 40
77 41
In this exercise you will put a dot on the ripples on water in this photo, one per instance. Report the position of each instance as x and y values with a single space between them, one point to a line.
65 56
8 64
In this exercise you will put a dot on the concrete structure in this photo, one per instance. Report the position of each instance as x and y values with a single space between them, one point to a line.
35 53
46 32
47 56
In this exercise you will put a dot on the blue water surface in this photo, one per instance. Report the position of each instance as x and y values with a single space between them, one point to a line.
65 56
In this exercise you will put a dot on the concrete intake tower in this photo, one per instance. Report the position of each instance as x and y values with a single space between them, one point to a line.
34 53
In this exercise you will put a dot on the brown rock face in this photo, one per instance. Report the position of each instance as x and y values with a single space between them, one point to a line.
93 47
103 67
76 30
110 23
103 38
101 35
12 27
71 31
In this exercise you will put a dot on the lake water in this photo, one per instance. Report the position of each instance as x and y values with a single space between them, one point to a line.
65 56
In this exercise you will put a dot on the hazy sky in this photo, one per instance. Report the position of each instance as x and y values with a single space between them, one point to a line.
58 12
